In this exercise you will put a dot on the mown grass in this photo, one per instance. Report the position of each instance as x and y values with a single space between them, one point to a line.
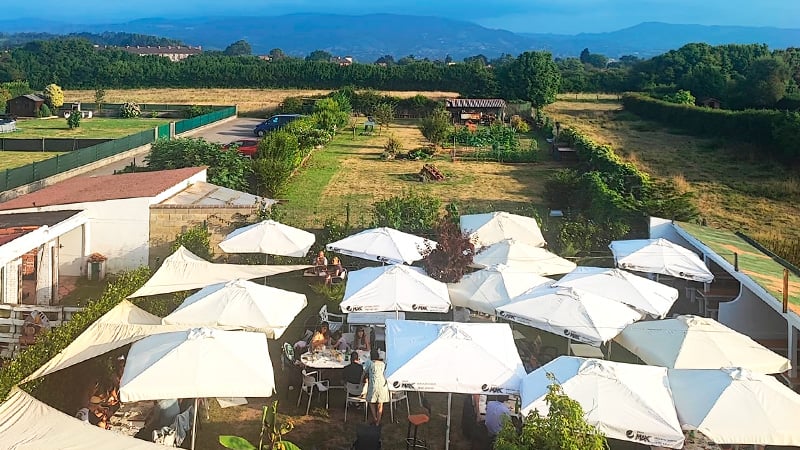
734 187
96 127
10 160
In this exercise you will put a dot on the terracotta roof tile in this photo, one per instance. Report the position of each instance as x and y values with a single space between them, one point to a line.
105 187
475 103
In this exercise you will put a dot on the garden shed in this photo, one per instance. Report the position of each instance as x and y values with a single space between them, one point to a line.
24 106
476 110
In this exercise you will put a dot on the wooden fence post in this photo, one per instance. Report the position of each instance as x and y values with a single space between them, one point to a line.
785 291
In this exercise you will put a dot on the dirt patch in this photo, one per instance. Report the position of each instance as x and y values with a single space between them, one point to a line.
250 101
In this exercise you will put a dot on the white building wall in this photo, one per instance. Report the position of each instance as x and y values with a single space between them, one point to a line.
71 259
748 314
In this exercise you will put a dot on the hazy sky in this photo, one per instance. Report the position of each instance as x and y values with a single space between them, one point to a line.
549 16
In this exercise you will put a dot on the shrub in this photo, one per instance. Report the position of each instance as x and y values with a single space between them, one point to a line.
197 110
410 212
44 111
421 153
519 124
581 235
292 105
392 148
436 127
384 113
451 258
226 168
56 339
74 120
272 176
329 115
197 240
130 110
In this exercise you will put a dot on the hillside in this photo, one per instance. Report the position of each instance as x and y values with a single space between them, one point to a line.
368 37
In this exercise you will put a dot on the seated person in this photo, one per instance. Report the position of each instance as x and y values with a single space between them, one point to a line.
339 342
321 263
354 372
320 337
361 340
98 415
335 270
496 413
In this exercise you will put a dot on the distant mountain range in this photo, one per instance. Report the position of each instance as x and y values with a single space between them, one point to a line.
368 37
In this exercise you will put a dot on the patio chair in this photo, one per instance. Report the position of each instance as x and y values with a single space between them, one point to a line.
356 393
335 321
417 420
398 396
339 279
308 386
287 356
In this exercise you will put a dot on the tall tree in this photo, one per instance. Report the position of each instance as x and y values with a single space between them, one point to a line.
585 55
319 55
239 48
477 59
766 81
53 96
385 59
534 77
276 54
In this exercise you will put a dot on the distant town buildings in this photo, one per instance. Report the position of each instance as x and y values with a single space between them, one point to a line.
342 60
173 52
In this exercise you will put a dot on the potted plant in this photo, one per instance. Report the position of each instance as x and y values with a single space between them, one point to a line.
96 270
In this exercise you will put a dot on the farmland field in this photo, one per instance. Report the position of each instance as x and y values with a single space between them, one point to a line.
252 102
96 127
9 160
735 192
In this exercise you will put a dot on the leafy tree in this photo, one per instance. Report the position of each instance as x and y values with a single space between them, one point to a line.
278 155
584 57
44 111
407 60
53 95
563 428
681 97
385 60
597 60
130 110
384 114
329 115
319 55
766 79
448 59
436 127
197 240
453 254
705 81
74 120
480 60
239 48
533 76
226 168
276 54
99 97
410 212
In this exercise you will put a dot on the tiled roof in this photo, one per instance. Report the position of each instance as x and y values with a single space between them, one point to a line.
475 103
105 187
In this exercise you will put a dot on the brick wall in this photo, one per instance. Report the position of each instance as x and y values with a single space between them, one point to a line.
167 221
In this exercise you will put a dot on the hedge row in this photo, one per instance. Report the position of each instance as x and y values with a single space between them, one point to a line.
765 127
50 343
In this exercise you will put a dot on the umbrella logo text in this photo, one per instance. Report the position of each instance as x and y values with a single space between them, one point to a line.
492 389
397 385
354 308
419 307
638 436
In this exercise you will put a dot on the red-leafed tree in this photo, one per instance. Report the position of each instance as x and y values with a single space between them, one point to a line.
450 259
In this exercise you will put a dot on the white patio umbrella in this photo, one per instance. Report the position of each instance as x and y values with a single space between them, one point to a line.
490 228
736 406
645 295
468 358
692 342
269 237
660 256
522 256
183 270
395 287
624 401
575 314
198 363
240 303
384 244
489 288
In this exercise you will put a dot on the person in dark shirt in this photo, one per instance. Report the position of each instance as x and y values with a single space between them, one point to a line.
353 372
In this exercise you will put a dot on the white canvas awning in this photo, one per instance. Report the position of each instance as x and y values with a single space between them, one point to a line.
123 324
645 295
384 244
183 270
491 228
469 358
200 362
394 288
660 256
624 401
28 424
571 313
736 406
692 342
240 303
492 287
269 237
523 257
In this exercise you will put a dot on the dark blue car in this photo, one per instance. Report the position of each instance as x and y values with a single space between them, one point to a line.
274 123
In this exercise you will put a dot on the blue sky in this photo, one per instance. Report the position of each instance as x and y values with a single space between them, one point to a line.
549 16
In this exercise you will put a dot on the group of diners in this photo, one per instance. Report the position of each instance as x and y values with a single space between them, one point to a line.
102 400
330 272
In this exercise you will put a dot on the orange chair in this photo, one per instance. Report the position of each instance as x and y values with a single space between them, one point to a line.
412 441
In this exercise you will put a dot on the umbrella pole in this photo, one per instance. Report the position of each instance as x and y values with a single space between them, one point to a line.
194 423
447 437
266 262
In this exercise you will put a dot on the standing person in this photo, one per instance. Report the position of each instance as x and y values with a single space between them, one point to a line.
378 388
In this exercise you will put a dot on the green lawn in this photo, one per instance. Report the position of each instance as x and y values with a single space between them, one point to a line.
9 160
96 127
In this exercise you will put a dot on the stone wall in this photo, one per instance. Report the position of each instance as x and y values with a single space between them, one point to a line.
167 221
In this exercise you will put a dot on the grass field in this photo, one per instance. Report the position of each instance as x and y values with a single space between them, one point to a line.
735 192
253 102
96 127
350 171
9 160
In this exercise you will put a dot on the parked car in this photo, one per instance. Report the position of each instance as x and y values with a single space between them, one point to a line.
246 147
274 123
